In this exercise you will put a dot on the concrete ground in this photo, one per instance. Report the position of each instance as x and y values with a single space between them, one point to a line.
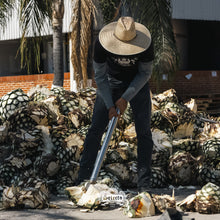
66 211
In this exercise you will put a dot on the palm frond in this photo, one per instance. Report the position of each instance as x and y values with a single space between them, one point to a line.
156 15
33 15
81 39
110 9
30 50
75 42
6 7
166 54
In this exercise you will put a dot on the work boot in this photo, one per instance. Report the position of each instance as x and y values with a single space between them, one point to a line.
144 176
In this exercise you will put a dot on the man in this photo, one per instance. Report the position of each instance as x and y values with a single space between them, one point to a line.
123 56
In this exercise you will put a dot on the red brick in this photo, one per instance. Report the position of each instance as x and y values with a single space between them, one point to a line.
201 82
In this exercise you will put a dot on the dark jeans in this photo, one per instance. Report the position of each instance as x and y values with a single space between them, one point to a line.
141 108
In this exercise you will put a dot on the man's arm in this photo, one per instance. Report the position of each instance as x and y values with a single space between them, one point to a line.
102 83
142 77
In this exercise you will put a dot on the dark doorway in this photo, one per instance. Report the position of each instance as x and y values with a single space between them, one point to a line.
204 45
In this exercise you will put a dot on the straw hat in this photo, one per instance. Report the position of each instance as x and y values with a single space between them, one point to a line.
125 37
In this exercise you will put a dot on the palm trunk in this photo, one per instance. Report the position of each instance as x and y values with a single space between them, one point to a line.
58 56
58 11
81 39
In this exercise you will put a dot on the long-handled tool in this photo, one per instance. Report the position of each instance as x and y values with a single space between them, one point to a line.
102 152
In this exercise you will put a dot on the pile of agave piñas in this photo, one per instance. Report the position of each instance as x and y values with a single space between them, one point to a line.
42 134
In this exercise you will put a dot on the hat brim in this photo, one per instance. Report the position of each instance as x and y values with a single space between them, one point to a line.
137 45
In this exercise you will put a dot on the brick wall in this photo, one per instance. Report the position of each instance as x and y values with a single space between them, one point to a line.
25 82
201 84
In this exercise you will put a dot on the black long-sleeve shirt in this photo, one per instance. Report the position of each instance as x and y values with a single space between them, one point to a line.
112 70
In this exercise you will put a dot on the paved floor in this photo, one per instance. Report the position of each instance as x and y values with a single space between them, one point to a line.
67 211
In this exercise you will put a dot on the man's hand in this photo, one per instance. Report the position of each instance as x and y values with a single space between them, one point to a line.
121 104
112 113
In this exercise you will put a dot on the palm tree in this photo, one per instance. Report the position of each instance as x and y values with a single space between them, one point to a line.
34 14
57 21
156 15
5 11
81 39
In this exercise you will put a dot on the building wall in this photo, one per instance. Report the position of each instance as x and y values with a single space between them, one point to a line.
181 9
196 9
186 83
26 82
13 31
10 61
182 12
193 84
203 86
